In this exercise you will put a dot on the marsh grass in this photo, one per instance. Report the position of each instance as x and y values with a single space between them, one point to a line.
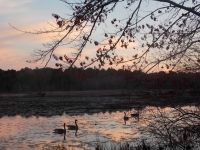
125 146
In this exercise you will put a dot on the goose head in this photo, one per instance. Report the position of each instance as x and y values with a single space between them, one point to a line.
76 125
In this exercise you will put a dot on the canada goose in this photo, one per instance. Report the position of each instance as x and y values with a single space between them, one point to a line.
125 117
73 127
136 114
60 131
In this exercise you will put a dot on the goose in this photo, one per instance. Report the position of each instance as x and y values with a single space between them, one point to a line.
73 127
60 131
125 117
135 115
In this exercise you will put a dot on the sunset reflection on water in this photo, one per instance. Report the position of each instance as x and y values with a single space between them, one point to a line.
37 132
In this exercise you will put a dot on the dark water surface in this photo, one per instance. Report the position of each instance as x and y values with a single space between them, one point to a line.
36 133
27 123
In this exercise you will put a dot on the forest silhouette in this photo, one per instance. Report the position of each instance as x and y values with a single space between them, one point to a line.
49 79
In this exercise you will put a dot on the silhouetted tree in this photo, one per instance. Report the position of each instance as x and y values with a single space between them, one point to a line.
162 33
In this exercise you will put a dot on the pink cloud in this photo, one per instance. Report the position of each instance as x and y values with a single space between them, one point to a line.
12 59
12 6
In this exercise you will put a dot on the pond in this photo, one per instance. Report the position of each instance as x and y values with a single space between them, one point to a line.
37 132
21 133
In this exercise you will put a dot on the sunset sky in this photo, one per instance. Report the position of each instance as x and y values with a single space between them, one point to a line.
16 47
29 15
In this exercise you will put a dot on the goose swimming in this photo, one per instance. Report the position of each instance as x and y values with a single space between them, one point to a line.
125 117
60 131
73 127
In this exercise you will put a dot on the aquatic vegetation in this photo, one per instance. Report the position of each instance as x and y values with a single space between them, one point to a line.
124 146
177 129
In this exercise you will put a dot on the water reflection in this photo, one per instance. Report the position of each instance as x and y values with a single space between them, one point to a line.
37 132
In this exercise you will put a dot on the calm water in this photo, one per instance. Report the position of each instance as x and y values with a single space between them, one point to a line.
21 133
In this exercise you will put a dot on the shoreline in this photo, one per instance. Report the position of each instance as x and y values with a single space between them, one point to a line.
102 93
81 102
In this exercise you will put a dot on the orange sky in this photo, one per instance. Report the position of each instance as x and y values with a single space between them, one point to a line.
15 47
32 15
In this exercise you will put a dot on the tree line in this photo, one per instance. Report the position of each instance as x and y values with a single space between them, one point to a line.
48 79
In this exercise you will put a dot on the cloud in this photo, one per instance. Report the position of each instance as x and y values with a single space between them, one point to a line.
11 37
31 32
10 58
12 6
21 46
15 46
13 58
